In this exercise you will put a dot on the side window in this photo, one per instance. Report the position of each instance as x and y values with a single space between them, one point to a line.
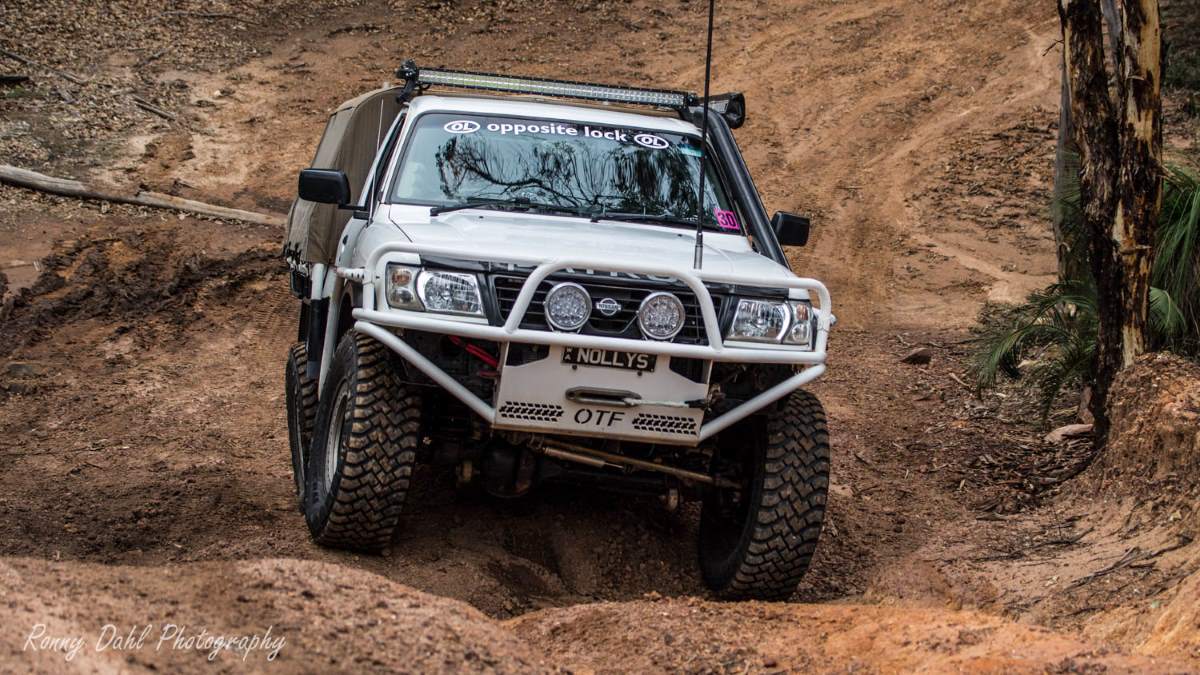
733 203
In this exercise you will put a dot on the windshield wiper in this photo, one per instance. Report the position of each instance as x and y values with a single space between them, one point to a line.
658 219
515 204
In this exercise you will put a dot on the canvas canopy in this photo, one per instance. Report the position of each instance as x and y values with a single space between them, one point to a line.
351 139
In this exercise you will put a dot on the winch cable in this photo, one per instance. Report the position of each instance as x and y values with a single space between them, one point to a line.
698 257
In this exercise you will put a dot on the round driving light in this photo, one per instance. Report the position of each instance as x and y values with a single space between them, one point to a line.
568 307
661 316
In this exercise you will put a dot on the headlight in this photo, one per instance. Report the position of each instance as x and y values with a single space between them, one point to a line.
401 287
760 321
568 307
803 328
450 293
661 316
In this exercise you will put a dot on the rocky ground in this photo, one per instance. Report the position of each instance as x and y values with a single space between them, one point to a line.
141 426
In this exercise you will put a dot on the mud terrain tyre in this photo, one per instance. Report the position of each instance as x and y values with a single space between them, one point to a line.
364 449
757 542
301 395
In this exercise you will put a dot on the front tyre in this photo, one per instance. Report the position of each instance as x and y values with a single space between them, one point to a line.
364 449
756 542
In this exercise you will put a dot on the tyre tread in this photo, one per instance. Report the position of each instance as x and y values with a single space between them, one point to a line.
380 454
791 508
301 397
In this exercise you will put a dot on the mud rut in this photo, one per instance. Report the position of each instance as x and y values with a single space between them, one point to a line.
141 415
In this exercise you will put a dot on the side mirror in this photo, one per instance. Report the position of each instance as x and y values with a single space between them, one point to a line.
325 186
790 229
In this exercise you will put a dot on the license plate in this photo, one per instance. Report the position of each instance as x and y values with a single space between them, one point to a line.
607 358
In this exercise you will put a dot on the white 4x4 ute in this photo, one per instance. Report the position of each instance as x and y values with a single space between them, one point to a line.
532 290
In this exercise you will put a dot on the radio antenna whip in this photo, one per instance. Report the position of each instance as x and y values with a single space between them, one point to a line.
698 257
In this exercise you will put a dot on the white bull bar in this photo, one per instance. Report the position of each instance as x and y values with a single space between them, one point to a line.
369 321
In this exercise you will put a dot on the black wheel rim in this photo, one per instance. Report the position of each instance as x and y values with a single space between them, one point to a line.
338 430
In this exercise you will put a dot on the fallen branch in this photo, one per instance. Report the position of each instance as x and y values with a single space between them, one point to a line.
72 188
151 108
29 62
995 557
1134 557
1183 540
961 381
16 78
145 60
1131 556
1068 541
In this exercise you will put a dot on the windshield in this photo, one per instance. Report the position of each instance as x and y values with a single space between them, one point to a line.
587 169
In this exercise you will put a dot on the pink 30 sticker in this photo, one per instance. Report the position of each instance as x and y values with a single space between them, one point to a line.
726 220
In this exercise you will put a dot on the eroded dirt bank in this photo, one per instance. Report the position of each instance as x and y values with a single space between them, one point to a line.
334 617
141 425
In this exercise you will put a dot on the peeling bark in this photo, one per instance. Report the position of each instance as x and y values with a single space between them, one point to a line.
1140 90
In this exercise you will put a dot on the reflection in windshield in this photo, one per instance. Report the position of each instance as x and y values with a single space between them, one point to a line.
452 160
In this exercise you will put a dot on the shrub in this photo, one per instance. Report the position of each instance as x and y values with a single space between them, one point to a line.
1051 338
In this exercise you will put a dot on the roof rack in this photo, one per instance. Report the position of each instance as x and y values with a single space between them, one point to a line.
424 77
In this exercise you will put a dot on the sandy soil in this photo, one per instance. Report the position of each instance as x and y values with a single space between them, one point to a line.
141 405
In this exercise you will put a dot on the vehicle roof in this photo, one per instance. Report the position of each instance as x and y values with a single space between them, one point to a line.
549 109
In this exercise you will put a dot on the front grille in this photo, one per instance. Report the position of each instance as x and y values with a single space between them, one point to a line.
621 324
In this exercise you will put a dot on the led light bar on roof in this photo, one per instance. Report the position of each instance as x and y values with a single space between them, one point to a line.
558 88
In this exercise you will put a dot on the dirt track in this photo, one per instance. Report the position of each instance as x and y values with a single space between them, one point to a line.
144 444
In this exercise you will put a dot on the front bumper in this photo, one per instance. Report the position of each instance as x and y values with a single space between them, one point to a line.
380 324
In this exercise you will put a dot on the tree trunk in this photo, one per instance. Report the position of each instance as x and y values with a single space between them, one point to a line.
1140 90
1120 146
1096 136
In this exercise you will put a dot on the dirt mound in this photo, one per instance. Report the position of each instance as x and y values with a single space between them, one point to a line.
130 275
1145 485
322 617
1114 554
1175 629
689 635
1155 437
